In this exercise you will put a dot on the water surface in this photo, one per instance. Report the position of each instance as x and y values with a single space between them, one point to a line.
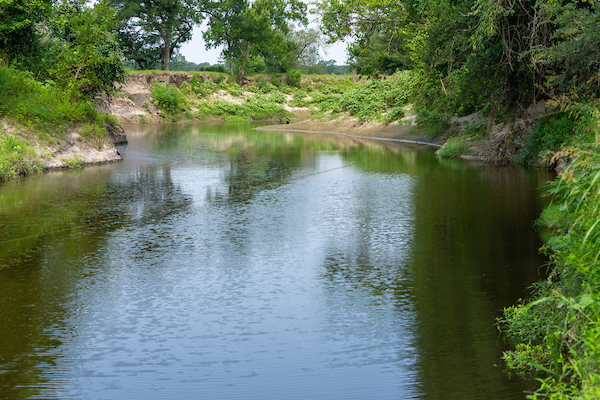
219 262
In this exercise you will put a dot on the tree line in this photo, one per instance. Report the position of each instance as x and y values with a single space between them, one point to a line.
84 47
469 55
472 55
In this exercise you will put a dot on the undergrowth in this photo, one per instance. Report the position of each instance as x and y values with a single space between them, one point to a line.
40 104
16 157
557 131
453 148
558 332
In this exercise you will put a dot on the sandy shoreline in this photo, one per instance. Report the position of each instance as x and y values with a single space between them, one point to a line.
393 132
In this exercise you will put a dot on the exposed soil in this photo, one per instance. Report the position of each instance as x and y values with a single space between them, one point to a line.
499 143
69 149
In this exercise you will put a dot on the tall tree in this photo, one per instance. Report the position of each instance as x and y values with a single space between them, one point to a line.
169 21
88 59
17 24
246 28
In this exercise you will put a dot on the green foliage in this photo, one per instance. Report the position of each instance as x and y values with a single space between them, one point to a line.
253 108
89 59
369 100
167 98
553 132
298 98
453 148
253 33
17 25
277 98
573 59
432 122
395 114
153 30
207 87
264 86
559 330
15 157
39 104
73 163
294 78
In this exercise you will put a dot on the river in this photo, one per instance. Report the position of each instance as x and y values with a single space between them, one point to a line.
218 262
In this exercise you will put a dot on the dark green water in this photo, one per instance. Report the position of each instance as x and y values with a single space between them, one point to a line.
217 262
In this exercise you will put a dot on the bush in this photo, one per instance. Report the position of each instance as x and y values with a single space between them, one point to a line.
298 98
394 115
453 149
557 331
40 104
253 108
264 86
555 131
294 78
167 98
277 98
432 122
15 157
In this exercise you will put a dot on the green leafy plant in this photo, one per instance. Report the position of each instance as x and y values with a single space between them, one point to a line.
167 98
294 78
453 148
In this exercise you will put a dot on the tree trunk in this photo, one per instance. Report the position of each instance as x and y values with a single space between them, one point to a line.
167 55
230 59
243 67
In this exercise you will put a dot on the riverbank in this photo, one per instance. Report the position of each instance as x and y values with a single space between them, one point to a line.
556 331
43 127
347 105
31 149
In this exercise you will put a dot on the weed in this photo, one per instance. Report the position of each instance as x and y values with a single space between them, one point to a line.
294 78
453 148
72 163
558 331
167 98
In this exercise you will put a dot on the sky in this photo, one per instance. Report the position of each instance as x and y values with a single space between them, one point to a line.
195 50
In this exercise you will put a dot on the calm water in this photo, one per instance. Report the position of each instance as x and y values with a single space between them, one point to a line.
217 262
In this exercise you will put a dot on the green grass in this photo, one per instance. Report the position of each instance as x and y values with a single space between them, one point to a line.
41 113
37 104
16 157
453 148
558 331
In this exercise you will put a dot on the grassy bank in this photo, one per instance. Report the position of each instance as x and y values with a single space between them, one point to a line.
557 333
36 116
263 97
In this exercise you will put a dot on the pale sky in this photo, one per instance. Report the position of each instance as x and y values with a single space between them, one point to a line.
195 51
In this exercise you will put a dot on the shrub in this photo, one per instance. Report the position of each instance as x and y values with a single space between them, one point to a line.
167 98
40 104
394 115
277 98
555 131
294 78
453 148
15 157
432 122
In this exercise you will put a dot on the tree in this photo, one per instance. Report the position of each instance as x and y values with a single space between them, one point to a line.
153 24
307 43
17 25
143 48
245 28
88 57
